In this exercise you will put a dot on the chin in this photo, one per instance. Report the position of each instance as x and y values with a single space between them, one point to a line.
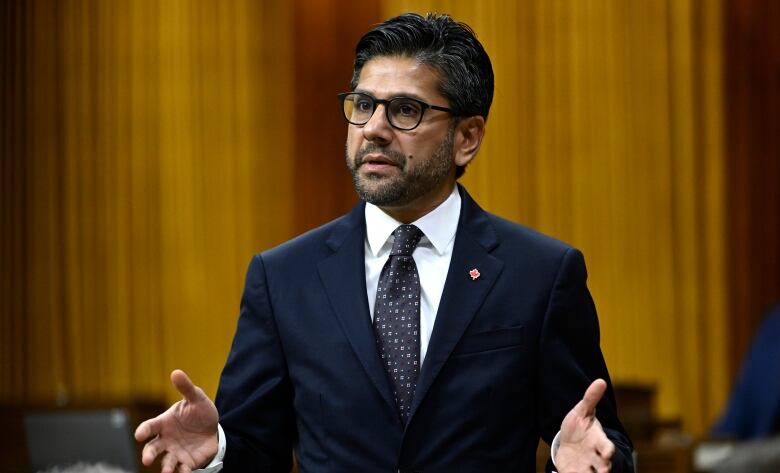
383 196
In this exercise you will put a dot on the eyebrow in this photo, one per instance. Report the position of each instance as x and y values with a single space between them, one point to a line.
392 96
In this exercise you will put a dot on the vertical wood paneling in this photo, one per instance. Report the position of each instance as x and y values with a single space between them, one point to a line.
145 167
325 34
15 215
44 341
752 89
712 114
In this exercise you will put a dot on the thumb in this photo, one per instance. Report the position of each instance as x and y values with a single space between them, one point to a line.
587 406
183 384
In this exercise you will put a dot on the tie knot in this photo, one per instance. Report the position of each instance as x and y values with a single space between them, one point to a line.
406 238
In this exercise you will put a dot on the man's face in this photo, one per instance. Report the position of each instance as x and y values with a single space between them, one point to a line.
394 168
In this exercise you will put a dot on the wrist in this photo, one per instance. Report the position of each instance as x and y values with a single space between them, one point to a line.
221 446
216 462
554 446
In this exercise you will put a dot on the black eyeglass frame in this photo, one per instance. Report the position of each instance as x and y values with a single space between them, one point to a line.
386 102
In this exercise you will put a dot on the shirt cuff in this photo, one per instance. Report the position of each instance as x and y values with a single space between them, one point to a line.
554 447
216 463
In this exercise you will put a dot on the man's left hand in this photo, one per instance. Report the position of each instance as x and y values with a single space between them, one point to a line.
584 447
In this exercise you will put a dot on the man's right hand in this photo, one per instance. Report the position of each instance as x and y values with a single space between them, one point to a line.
186 434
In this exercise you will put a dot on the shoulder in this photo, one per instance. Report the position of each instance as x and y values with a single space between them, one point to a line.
520 236
317 243
542 254
505 237
515 241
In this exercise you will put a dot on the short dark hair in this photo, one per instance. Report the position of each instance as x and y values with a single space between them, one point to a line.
450 47
439 41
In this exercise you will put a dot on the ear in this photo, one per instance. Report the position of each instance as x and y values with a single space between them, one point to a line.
468 138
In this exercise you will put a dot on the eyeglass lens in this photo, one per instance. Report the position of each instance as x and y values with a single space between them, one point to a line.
402 112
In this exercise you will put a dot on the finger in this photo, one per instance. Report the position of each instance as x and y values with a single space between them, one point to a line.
593 395
183 384
606 449
599 463
169 463
184 468
604 467
150 452
147 428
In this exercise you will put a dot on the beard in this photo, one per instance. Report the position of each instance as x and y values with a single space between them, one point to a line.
399 190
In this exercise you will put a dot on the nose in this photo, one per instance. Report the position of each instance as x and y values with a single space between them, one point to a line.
378 129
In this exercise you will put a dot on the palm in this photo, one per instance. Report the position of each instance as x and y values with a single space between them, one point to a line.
584 446
188 429
575 428
185 434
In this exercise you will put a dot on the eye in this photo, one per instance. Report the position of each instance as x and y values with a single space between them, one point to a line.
364 104
406 108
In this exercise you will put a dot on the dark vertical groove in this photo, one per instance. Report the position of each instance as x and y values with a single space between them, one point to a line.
323 51
752 99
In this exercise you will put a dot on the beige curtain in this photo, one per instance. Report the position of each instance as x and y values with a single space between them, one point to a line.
606 133
153 164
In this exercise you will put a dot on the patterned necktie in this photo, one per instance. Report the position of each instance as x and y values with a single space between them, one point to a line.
397 317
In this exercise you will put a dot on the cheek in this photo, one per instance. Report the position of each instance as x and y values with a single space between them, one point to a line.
353 141
417 146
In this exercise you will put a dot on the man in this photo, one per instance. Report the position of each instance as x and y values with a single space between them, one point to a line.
418 332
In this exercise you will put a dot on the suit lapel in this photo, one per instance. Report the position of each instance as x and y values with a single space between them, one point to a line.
462 295
343 275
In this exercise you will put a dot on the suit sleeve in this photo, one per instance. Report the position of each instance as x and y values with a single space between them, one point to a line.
571 358
255 395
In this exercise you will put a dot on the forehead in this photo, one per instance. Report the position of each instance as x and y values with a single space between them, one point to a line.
391 76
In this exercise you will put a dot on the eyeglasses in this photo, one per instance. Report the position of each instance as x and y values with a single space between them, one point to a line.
403 113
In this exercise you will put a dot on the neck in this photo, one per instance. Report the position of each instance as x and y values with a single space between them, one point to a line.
416 209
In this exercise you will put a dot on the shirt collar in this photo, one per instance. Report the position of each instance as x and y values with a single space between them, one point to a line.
438 225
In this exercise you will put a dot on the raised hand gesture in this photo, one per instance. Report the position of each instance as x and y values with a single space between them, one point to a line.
584 447
186 434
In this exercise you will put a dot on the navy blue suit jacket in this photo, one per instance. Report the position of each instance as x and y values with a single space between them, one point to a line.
510 354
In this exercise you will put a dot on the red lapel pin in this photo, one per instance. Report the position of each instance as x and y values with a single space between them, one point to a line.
474 273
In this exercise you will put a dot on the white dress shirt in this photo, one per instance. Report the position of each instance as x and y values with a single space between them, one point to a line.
432 256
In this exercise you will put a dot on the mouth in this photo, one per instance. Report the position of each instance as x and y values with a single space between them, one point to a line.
376 162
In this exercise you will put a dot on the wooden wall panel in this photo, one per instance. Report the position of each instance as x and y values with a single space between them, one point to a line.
14 209
141 148
752 89
326 32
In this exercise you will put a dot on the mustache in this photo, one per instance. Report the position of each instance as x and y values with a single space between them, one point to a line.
398 159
